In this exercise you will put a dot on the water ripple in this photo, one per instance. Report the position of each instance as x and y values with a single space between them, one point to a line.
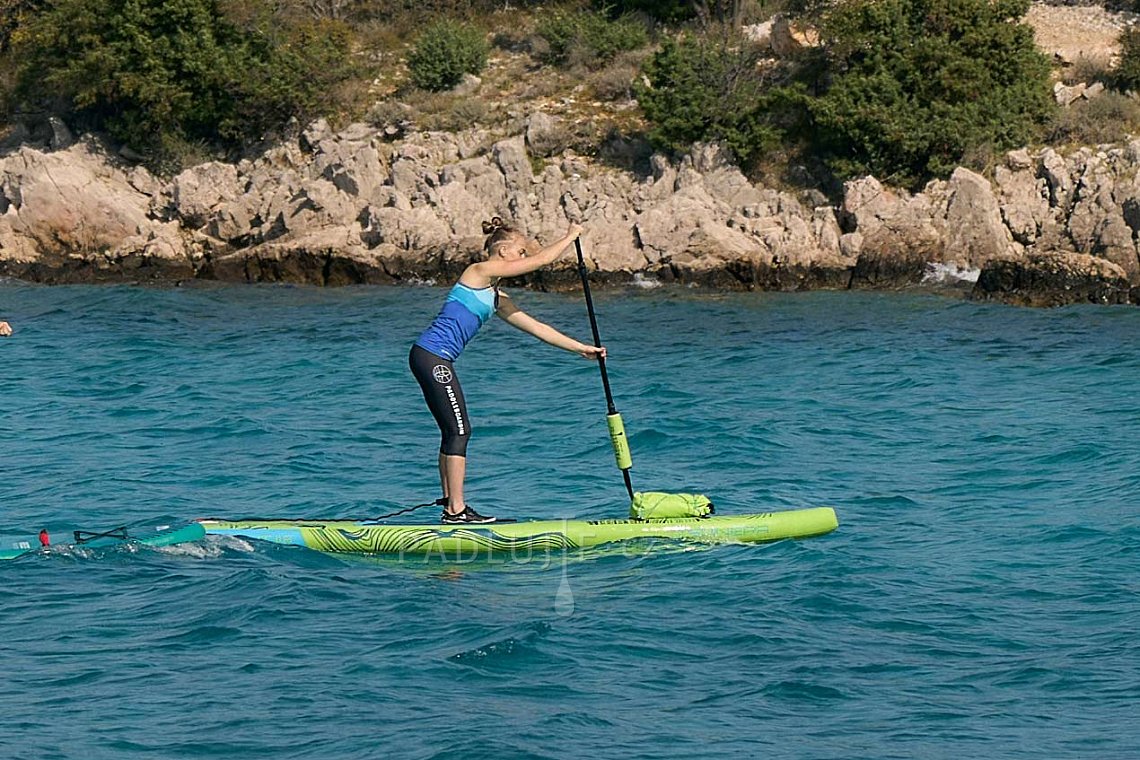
979 598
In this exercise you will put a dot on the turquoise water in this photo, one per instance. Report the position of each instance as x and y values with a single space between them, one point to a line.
978 600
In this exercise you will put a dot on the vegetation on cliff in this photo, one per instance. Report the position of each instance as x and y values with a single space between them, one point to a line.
164 75
903 89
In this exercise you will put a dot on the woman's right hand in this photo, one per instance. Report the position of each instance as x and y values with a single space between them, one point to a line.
573 231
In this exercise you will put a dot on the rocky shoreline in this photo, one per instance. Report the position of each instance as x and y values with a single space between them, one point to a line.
362 206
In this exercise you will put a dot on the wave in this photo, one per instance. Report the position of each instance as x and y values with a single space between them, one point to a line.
949 274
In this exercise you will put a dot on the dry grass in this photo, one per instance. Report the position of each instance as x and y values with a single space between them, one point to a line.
1086 70
614 83
592 106
1108 118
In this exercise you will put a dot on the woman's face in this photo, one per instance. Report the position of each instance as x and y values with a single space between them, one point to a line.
517 247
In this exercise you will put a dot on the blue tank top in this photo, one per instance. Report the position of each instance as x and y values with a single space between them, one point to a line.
464 311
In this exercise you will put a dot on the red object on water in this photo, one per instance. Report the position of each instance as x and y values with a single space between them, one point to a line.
45 539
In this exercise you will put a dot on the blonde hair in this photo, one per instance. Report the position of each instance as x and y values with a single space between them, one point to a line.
498 232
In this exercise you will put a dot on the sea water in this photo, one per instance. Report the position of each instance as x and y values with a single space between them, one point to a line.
979 599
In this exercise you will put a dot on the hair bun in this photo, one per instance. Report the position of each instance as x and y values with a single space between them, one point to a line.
494 225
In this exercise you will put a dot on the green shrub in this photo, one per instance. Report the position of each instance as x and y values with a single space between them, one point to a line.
1128 70
589 38
292 71
705 89
162 74
903 89
914 86
444 53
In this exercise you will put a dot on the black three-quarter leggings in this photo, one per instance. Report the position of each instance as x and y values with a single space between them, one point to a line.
444 397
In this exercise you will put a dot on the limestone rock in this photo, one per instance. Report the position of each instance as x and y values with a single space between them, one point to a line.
1023 198
197 192
975 232
335 207
899 234
789 37
1096 223
760 34
1066 95
545 135
70 201
61 137
1053 279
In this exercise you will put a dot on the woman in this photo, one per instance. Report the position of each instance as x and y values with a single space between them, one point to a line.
5 329
469 304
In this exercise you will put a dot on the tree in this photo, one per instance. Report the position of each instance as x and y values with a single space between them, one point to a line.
708 88
11 12
1127 75
914 87
157 74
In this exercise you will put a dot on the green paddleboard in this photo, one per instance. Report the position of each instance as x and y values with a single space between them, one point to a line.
524 539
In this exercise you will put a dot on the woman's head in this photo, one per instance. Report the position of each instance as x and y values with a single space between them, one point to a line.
503 240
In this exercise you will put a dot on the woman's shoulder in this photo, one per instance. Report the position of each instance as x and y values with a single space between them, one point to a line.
474 276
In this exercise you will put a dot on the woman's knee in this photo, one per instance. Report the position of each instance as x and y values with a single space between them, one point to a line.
455 444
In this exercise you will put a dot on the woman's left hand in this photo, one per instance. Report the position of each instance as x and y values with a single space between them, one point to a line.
592 352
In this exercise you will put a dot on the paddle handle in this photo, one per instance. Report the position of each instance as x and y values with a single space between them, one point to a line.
618 439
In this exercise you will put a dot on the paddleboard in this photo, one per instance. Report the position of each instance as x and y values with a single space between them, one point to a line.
523 539
165 535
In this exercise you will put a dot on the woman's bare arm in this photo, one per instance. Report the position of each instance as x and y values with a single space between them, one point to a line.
480 274
516 317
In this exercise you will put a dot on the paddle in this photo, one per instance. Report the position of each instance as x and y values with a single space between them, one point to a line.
613 419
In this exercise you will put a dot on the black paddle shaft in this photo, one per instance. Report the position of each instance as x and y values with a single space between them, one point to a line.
594 325
598 343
